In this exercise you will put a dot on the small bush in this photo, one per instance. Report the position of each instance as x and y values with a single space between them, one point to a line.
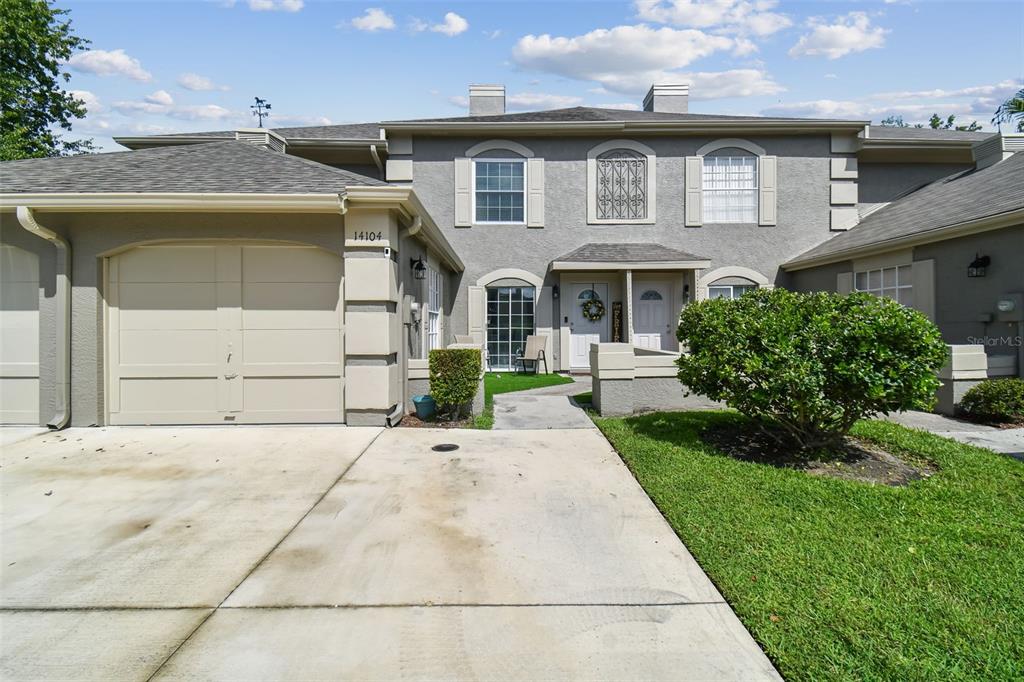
454 378
810 364
998 400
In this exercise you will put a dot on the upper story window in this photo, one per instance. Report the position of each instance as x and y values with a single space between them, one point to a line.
499 190
893 282
621 185
730 187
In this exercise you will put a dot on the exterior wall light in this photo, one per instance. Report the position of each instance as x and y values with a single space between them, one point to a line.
555 293
978 265
419 268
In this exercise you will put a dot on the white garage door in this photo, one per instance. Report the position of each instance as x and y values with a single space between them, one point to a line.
212 334
19 336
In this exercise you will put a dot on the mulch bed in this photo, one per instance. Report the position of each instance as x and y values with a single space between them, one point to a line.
412 421
856 460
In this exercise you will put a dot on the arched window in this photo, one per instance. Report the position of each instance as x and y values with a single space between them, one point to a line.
621 185
650 295
588 294
730 186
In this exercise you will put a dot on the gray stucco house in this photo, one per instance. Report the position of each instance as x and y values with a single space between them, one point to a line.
303 274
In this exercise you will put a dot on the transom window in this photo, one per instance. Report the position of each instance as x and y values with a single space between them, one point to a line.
435 292
500 190
509 322
894 283
730 187
588 294
650 295
621 185
729 290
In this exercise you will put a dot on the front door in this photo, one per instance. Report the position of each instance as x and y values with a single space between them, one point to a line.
651 326
583 332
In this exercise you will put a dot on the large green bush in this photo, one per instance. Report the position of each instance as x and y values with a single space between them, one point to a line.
811 364
999 400
454 378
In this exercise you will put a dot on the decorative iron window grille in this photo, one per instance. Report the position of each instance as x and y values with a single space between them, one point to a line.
621 185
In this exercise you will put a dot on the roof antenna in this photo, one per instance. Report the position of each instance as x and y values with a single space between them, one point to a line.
261 109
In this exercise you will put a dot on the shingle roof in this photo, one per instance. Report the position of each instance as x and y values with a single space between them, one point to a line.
627 253
958 198
894 133
344 131
220 167
591 114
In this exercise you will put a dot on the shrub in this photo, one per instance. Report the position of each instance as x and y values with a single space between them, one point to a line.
454 378
998 400
810 364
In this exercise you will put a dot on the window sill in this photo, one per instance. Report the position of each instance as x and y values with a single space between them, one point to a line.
600 221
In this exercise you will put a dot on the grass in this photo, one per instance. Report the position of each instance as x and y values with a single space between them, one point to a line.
509 382
584 398
844 580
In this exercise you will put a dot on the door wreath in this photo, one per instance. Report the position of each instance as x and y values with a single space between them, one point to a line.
593 309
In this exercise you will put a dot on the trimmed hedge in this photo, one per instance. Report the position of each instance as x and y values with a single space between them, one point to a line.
996 400
454 378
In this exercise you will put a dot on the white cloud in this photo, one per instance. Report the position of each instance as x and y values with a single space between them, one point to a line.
831 75
740 16
625 59
109 63
452 25
91 101
374 19
276 5
496 33
193 112
1001 89
528 101
627 106
161 97
195 82
850 33
295 121
161 103
705 85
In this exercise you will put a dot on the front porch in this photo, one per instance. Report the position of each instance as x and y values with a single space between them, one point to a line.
641 288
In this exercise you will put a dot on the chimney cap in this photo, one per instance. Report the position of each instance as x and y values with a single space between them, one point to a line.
486 99
665 90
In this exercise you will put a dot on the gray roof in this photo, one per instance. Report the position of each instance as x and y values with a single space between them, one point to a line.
627 253
220 167
344 131
591 114
958 198
924 134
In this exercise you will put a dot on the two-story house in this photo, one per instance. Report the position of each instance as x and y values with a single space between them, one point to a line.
295 274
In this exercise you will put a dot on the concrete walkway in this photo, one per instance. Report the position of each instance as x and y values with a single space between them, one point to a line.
332 553
1006 441
550 407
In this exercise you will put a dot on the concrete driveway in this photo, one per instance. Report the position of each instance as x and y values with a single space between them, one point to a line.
326 553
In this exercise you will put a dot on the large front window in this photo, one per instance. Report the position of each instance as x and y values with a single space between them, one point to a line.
729 290
509 322
730 187
894 283
621 185
500 191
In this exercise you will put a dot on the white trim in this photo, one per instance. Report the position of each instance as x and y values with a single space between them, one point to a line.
712 276
473 191
511 273
568 266
736 142
650 190
506 145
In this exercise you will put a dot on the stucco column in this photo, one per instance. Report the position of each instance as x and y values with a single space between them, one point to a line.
372 327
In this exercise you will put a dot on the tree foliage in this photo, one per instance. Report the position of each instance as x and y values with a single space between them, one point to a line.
810 364
36 40
936 122
1012 111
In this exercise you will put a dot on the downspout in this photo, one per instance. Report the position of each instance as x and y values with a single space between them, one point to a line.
376 159
62 413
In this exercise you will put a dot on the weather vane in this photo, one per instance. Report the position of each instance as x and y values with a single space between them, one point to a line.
261 109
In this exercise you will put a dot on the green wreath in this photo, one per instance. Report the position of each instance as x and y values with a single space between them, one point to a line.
593 309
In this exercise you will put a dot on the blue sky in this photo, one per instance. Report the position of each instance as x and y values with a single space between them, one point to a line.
157 67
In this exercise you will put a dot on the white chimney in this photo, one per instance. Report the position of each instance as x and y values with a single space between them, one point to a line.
486 100
668 98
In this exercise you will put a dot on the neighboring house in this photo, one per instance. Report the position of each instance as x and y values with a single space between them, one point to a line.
294 275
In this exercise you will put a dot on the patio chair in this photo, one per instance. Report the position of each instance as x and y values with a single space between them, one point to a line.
534 352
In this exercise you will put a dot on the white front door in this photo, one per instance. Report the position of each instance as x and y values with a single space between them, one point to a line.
651 325
584 332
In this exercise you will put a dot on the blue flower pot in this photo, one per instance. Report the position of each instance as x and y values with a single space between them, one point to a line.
425 406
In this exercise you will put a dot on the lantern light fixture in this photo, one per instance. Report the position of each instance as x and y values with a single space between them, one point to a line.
419 268
978 265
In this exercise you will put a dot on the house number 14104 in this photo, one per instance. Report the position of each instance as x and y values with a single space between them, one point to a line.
364 236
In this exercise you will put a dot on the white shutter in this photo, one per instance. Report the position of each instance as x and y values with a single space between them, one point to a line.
694 205
477 314
535 192
922 274
844 282
463 192
768 186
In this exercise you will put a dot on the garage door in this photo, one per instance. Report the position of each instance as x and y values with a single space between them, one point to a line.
211 334
19 336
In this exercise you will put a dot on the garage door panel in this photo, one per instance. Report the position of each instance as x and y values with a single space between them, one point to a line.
19 342
170 395
290 264
19 297
292 346
19 399
18 265
290 306
171 264
19 336
292 394
162 347
168 306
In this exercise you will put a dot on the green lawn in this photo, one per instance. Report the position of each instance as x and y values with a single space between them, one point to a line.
844 580
508 382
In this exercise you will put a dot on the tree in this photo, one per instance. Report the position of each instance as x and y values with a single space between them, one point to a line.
36 40
1011 110
810 365
938 123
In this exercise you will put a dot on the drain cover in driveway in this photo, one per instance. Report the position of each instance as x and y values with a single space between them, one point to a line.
445 447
